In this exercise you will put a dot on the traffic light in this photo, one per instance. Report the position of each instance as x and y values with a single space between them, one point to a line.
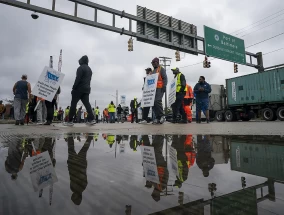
235 68
206 63
243 179
130 45
180 198
177 56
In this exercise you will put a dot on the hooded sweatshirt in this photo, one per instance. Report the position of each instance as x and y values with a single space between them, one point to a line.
83 79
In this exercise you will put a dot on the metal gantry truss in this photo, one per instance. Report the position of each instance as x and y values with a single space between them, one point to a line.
152 27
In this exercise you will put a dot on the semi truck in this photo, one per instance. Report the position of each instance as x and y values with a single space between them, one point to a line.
245 97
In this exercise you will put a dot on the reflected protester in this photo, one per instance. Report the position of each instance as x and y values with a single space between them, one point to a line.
77 167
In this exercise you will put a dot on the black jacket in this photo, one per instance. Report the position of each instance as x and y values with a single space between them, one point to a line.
132 105
83 77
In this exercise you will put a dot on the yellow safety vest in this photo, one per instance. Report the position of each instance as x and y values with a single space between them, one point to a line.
67 112
111 108
179 84
110 139
27 108
135 104
97 111
55 113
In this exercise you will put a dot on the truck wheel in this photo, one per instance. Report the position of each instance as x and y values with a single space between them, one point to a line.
280 113
268 114
219 116
230 116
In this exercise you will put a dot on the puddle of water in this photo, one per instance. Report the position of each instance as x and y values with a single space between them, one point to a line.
116 174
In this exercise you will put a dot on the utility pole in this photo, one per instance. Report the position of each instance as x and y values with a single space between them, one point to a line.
59 70
166 60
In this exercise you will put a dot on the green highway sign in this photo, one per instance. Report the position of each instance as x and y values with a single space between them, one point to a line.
224 46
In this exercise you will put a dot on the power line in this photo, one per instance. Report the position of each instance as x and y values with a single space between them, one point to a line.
273 51
261 28
259 24
265 40
257 21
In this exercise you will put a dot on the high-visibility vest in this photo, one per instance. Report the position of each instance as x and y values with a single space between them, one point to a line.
189 93
110 139
97 111
67 112
27 108
179 84
160 83
105 113
111 108
135 103
55 113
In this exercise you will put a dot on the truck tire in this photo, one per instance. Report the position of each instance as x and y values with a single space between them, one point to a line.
280 113
219 116
268 114
230 116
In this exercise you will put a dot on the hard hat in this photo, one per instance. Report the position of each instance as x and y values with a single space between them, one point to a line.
175 69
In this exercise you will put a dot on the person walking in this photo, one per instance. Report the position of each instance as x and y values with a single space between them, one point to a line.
180 93
134 110
22 92
97 112
67 110
81 91
119 114
202 90
187 103
105 115
50 107
111 110
2 110
55 115
161 89
145 110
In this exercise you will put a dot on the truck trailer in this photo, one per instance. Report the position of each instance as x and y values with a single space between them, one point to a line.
260 94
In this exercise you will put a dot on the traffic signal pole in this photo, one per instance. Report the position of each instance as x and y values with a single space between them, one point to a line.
180 38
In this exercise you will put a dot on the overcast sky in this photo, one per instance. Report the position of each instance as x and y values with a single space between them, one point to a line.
26 44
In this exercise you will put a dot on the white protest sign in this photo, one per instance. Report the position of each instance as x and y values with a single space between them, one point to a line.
172 92
174 162
123 100
149 164
41 171
48 84
149 90
122 148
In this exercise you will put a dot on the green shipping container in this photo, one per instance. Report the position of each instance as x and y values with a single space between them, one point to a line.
257 88
257 158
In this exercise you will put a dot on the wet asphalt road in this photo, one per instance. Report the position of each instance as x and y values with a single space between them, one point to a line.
102 173
230 128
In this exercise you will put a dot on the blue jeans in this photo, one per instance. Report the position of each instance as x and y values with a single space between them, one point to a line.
112 117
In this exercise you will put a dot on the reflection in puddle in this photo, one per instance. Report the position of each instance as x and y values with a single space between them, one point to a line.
145 174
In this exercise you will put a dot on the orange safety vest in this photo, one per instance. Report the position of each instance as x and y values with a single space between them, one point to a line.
161 173
105 113
160 83
189 93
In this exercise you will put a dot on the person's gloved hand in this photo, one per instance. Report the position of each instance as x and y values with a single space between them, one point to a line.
164 89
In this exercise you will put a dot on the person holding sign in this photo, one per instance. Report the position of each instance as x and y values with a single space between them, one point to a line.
180 93
81 91
161 89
